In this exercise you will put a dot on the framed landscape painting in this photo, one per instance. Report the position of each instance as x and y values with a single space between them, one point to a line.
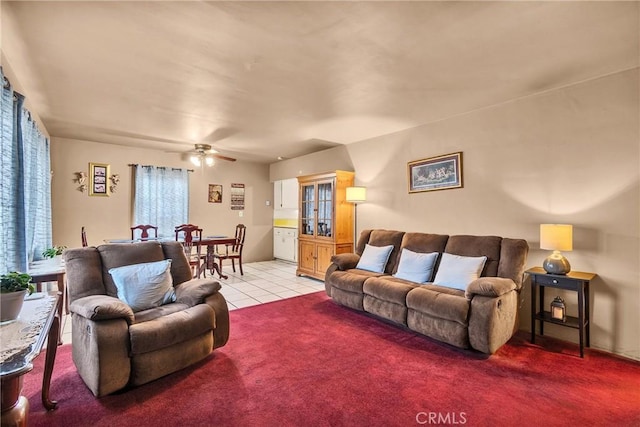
435 173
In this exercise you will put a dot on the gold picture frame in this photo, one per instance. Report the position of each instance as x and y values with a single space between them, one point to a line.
98 177
435 173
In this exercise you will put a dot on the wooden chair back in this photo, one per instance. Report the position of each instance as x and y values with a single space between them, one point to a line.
144 231
190 236
240 233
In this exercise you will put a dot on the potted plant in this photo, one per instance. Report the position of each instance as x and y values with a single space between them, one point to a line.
13 287
53 252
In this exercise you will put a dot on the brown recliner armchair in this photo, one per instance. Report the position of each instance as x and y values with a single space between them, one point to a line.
113 346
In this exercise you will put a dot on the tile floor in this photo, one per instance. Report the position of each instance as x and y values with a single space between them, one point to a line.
262 282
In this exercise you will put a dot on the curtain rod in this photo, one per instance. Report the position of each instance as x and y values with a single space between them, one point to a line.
159 167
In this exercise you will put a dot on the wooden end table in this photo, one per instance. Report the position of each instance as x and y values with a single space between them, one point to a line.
576 281
20 342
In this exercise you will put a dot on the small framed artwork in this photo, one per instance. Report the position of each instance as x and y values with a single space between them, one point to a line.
237 197
98 175
435 173
215 193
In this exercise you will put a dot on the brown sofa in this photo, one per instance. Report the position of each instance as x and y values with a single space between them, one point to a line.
483 317
113 346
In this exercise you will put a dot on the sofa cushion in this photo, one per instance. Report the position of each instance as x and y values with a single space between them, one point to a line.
424 242
146 285
457 271
171 329
119 254
416 267
351 280
385 238
154 313
388 289
475 246
443 305
374 258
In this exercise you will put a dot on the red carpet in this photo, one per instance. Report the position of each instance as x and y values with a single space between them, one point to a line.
306 361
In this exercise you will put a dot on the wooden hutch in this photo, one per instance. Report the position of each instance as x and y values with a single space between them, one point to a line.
326 221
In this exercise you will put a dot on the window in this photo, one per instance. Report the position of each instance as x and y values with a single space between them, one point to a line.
161 198
25 189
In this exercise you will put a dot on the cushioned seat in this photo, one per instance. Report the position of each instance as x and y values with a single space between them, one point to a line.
444 305
386 297
138 316
462 290
171 329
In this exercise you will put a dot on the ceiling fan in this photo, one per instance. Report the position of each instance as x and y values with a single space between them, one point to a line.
204 154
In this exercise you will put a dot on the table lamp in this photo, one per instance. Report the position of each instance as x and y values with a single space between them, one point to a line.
556 237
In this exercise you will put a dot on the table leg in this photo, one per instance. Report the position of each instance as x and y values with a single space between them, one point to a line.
586 314
533 310
211 264
50 358
541 290
581 317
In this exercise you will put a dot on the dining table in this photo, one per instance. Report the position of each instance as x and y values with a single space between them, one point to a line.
209 241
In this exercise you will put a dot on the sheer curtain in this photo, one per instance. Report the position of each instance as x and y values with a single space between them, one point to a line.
161 198
25 189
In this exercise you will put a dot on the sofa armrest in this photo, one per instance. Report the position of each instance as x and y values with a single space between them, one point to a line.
489 287
102 307
345 261
195 291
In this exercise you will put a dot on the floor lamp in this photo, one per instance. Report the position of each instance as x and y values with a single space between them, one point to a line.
356 195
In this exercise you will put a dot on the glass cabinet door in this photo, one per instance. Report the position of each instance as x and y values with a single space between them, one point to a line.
308 206
325 209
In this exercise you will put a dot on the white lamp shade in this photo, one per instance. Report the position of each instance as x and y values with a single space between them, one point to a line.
356 194
556 237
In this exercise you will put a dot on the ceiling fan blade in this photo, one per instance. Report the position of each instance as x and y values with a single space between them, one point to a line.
221 157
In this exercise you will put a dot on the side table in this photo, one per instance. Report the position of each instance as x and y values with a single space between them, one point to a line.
576 281
20 342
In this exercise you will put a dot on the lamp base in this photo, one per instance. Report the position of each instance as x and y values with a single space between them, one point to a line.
556 263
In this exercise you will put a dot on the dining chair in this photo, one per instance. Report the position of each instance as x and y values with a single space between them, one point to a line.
83 236
232 251
190 236
144 231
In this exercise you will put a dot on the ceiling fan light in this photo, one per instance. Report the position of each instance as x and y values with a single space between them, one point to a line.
195 160
209 161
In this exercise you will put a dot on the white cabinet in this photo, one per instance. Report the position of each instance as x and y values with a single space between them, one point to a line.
285 194
285 243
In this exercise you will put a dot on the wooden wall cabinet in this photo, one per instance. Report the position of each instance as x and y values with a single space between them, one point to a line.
325 221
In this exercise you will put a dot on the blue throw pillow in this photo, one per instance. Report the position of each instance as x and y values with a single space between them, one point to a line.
146 285
457 271
374 258
416 267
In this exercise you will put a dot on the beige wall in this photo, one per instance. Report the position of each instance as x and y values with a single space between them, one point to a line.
568 156
111 217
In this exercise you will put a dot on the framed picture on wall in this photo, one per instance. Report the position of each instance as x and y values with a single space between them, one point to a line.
435 173
98 175
215 193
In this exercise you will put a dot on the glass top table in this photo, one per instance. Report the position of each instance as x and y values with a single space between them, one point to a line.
20 342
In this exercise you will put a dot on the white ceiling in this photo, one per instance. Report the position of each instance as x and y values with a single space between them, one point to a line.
260 80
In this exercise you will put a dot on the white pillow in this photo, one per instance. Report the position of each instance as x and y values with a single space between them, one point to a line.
374 258
457 271
416 267
144 286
